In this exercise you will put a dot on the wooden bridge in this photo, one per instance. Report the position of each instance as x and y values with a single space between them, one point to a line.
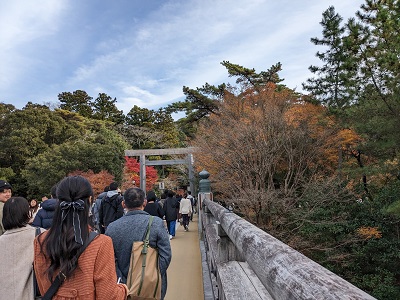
225 257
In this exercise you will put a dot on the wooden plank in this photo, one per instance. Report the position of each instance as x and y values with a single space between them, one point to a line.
212 245
166 162
170 151
237 281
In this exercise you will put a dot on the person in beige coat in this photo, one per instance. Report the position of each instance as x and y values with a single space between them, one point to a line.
185 209
16 248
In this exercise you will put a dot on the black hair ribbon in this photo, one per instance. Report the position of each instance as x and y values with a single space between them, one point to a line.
75 206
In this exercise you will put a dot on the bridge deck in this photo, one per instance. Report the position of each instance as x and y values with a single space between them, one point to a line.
185 279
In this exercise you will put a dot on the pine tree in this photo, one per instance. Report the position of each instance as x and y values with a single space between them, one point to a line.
334 85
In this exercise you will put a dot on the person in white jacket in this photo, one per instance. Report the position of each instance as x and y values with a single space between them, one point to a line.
185 209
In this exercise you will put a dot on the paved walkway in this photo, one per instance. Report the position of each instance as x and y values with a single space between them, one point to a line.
185 279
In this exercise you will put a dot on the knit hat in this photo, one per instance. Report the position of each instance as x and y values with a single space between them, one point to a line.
5 185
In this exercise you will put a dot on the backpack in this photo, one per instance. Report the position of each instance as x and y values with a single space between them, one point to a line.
144 277
110 209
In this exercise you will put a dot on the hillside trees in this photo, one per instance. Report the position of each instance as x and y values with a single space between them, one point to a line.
96 151
371 42
289 166
104 108
146 129
101 108
40 146
78 101
30 131
264 145
361 71
334 85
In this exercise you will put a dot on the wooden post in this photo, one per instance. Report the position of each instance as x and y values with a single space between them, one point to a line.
143 172
226 248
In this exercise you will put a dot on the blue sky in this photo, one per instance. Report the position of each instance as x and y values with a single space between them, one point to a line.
144 52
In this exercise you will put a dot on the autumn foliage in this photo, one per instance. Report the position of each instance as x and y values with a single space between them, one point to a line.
97 180
132 174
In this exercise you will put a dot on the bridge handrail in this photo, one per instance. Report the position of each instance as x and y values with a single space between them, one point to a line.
285 273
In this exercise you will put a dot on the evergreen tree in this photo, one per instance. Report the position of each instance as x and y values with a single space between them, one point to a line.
335 85
78 101
104 108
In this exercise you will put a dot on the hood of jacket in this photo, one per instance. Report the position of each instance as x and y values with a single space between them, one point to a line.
111 198
111 194
49 204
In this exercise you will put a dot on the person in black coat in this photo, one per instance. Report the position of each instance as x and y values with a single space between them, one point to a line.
44 216
111 207
170 206
152 207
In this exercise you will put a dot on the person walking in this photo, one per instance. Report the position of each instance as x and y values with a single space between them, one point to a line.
87 275
170 210
44 217
111 207
96 208
123 236
185 210
193 201
152 207
16 246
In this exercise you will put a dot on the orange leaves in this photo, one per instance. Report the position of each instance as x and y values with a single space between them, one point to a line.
369 233
98 181
349 139
307 113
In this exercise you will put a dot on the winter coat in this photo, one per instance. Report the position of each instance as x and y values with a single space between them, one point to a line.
1 218
96 207
123 237
44 216
170 208
110 209
94 278
16 247
154 209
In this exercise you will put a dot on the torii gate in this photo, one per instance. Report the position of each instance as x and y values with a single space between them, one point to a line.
146 152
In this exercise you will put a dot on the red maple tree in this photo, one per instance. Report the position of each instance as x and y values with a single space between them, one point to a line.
132 174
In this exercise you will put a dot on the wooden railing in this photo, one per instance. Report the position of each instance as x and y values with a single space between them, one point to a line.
243 262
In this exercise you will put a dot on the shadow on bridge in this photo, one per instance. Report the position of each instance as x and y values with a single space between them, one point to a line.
185 278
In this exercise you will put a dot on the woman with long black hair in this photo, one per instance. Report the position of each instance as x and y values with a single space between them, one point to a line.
16 248
84 273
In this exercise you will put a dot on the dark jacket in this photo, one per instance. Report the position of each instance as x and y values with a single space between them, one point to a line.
170 206
96 207
44 216
154 209
110 209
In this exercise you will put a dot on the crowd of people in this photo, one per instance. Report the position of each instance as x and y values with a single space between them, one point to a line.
80 244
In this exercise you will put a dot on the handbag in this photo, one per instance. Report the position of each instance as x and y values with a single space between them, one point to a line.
60 278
